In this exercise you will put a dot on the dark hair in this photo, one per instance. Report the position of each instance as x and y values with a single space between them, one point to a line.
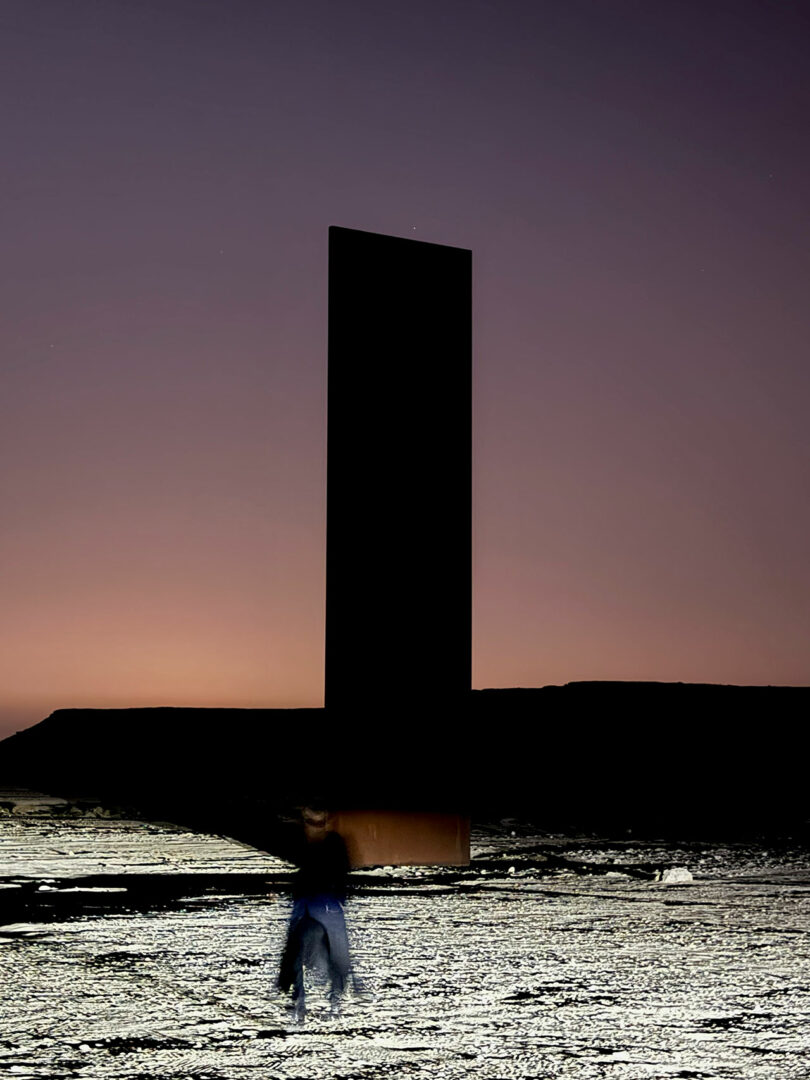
314 815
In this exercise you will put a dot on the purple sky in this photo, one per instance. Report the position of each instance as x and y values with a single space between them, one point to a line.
633 181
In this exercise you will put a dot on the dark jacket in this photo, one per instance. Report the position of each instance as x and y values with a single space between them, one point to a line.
323 867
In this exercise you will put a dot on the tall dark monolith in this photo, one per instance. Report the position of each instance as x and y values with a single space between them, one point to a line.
398 567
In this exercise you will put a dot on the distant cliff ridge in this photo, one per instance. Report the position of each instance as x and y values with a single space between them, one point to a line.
694 760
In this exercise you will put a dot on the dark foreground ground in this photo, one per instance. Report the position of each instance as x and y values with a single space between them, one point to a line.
550 957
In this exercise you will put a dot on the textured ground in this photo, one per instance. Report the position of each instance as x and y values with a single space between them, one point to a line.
548 959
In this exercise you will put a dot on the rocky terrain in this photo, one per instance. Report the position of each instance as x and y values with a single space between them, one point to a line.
134 950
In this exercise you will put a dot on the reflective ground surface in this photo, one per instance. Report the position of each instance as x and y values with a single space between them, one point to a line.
130 950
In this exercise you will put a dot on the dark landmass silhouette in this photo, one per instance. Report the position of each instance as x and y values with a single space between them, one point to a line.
677 760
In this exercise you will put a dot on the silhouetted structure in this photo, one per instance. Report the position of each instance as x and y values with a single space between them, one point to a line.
398 562
398 574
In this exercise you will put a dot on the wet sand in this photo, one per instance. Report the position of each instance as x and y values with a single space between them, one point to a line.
550 957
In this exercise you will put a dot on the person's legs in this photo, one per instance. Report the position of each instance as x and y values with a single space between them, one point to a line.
317 937
338 967
291 974
329 914
316 948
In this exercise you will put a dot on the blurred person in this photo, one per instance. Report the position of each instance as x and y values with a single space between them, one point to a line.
316 937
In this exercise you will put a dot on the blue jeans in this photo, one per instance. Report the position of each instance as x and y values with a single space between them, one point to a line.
316 938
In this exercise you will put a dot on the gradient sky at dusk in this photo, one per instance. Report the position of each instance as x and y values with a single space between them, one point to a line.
633 180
